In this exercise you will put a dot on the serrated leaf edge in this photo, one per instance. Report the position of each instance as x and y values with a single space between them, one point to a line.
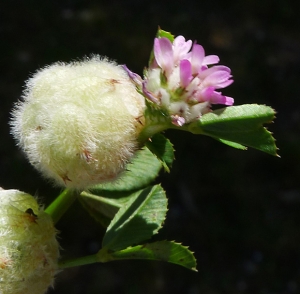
135 212
161 241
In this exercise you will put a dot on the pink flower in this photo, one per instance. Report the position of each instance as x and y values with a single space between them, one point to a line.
183 80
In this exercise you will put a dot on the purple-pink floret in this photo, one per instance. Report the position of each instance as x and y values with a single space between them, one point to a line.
199 80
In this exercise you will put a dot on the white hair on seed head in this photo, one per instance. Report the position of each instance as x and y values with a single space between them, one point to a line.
78 123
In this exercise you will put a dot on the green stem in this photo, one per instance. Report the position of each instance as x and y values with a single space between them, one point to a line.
61 204
101 256
78 261
151 130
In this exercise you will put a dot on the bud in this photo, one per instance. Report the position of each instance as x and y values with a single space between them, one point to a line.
28 247
79 122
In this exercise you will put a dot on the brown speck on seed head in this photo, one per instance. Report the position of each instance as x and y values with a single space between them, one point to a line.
138 119
4 262
114 81
30 215
87 155
65 178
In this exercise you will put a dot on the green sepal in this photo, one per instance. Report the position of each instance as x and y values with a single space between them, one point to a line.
164 34
163 149
138 219
168 251
157 120
239 126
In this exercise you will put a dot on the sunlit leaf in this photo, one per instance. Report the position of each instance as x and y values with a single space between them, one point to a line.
142 171
239 126
138 219
162 251
103 201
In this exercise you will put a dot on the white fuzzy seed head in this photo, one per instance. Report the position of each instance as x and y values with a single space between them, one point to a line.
28 247
79 122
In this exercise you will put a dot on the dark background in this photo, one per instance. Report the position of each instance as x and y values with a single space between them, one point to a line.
239 211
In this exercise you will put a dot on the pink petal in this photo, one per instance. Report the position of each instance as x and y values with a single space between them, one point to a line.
185 73
218 79
197 56
224 84
205 94
163 53
133 76
149 94
211 59
178 121
218 98
181 48
229 101
208 71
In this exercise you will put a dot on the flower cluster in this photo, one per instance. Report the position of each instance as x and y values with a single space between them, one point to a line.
78 123
29 250
180 80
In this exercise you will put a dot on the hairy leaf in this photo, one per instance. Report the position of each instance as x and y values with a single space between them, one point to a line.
138 219
168 251
143 169
239 126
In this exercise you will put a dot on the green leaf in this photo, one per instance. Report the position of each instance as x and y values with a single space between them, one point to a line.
103 201
143 170
163 149
233 144
239 126
103 209
138 219
162 251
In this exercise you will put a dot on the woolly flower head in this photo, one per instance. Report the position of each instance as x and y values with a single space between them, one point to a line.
78 122
28 247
